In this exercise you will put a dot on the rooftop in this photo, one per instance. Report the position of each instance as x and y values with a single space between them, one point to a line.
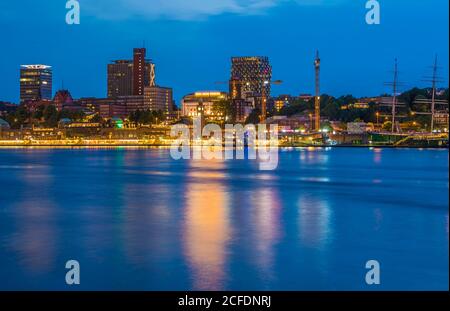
36 66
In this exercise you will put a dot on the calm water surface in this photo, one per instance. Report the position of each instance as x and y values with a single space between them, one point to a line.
137 220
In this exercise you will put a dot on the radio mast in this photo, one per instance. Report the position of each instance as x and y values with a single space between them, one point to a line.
317 97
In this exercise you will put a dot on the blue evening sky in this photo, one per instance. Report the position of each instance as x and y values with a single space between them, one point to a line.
191 42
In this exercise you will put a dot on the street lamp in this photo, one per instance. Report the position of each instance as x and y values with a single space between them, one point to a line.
264 99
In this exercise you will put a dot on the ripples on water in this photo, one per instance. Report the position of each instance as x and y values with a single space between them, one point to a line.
137 220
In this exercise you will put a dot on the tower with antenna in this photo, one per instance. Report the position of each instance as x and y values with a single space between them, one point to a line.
317 94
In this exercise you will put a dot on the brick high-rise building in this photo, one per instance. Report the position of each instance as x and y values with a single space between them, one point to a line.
138 71
130 77
120 78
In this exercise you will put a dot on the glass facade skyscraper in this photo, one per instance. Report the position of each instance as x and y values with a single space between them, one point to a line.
35 83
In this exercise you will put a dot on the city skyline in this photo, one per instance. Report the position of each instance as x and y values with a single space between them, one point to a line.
215 88
353 63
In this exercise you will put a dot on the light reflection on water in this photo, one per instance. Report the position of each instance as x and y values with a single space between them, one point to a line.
314 221
266 213
206 228
135 219
34 240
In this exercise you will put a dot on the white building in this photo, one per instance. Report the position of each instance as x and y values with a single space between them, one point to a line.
191 102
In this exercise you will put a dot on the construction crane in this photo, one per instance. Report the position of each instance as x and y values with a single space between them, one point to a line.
317 97
263 92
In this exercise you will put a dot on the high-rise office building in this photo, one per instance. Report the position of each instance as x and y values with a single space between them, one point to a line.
120 78
130 77
35 83
250 77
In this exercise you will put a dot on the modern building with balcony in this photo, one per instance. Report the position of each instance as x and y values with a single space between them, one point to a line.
249 83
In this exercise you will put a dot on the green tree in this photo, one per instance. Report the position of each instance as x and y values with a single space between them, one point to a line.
157 116
332 110
226 109
50 116
295 107
18 118
39 113
97 119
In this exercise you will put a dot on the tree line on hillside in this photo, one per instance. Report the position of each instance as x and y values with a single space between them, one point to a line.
46 115
332 107
49 116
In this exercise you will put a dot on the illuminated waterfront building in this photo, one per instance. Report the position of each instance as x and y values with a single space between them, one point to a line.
154 99
283 100
279 104
191 103
110 110
158 98
110 107
290 123
35 83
